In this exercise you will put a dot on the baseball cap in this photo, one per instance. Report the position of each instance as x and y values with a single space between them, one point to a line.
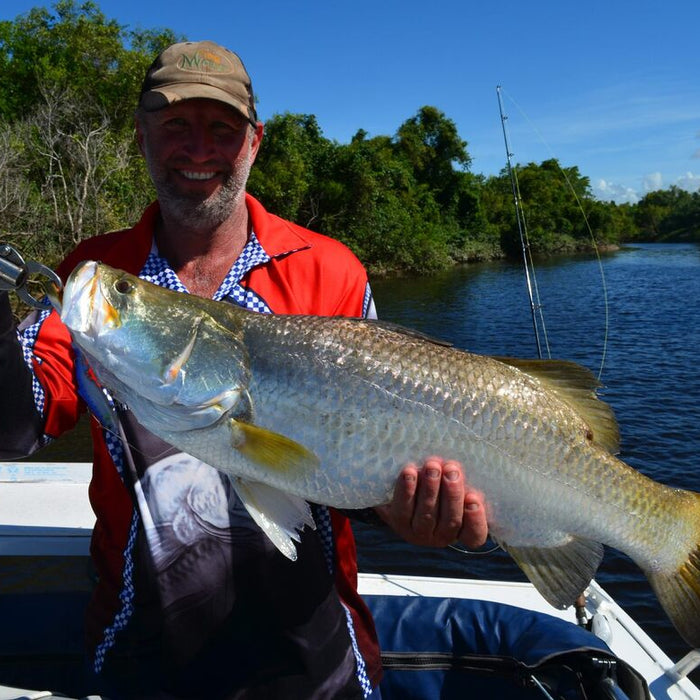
198 69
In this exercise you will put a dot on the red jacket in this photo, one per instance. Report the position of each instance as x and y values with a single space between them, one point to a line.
306 274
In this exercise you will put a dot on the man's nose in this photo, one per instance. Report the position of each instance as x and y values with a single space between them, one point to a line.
200 142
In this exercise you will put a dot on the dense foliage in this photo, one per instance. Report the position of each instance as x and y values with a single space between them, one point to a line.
69 166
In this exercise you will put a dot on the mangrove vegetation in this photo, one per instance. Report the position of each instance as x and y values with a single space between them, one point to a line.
70 168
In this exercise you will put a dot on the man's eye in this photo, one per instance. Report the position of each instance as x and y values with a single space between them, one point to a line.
224 128
175 124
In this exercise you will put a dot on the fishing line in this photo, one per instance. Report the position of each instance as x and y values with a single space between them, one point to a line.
114 426
606 305
473 553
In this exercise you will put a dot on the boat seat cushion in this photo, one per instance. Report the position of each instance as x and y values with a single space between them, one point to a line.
455 648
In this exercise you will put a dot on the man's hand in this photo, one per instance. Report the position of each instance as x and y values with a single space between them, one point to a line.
433 506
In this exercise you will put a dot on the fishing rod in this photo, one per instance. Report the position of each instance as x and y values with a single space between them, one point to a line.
579 204
532 290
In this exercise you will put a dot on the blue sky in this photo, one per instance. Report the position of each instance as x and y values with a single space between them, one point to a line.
612 87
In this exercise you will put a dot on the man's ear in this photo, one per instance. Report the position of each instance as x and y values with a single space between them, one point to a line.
256 140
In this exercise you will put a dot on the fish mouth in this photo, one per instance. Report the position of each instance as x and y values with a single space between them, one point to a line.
86 310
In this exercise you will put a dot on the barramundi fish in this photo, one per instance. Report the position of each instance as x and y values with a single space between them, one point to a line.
299 409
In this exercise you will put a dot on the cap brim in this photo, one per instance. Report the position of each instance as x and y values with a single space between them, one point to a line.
162 97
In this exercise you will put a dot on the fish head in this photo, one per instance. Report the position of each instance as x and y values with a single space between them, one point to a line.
80 297
146 343
101 308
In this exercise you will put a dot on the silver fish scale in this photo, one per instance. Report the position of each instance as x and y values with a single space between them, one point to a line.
325 382
366 401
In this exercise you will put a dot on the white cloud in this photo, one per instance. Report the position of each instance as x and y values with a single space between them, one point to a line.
689 182
653 182
609 191
606 191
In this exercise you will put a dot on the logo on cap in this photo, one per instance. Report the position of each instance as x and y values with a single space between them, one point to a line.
204 62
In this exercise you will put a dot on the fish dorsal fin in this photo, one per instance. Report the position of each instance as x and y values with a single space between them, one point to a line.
576 386
408 332
559 573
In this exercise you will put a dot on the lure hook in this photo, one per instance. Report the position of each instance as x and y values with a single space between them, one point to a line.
15 273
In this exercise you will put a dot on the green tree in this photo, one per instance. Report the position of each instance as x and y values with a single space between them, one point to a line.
609 222
555 204
74 48
69 89
69 166
375 210
396 201
671 214
288 172
430 143
651 211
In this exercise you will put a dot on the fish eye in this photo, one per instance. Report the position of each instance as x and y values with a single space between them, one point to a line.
123 286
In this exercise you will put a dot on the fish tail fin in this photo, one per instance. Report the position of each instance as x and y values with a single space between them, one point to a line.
678 590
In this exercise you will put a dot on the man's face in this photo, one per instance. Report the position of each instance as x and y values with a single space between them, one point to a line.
199 154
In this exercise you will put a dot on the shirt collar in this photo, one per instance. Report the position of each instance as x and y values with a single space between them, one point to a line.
277 236
158 271
271 237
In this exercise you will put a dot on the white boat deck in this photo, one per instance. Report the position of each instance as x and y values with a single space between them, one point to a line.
44 508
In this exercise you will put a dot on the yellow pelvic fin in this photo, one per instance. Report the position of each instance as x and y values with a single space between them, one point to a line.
576 386
271 450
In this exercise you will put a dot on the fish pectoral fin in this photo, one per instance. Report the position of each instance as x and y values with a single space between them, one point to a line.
172 371
279 515
271 450
560 573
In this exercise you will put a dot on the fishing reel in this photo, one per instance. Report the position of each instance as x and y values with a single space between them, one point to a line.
15 274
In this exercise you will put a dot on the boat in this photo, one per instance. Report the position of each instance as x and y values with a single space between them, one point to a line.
440 637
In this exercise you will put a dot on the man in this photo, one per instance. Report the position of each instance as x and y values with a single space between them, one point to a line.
192 600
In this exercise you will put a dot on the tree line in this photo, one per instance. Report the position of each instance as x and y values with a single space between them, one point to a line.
70 167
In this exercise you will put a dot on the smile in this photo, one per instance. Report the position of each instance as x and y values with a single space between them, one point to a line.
192 175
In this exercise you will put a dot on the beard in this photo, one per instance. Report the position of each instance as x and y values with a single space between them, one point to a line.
197 210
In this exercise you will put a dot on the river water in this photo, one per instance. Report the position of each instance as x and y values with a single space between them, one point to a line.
647 341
